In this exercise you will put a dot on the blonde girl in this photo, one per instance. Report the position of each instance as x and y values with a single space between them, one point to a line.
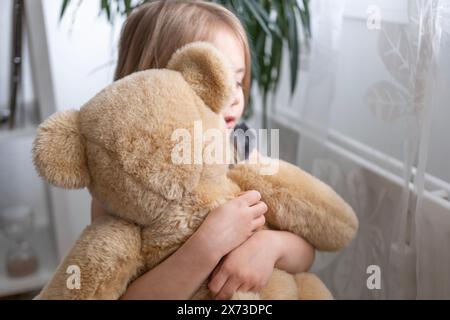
225 250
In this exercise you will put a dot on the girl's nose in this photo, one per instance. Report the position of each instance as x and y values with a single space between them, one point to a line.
235 100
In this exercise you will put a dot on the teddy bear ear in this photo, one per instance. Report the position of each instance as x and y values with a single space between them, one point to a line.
207 71
59 151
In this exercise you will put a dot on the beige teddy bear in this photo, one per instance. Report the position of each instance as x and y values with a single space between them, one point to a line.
120 146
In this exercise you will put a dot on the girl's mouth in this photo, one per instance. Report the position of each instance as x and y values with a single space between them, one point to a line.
231 122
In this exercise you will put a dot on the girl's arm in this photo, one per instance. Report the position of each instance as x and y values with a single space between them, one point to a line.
295 255
249 267
181 274
172 279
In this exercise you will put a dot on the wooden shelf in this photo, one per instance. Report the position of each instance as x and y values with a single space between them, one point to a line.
42 241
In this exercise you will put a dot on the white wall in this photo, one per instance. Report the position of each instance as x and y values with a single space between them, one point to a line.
439 155
78 49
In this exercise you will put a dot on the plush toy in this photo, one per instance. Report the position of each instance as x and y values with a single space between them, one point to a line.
120 146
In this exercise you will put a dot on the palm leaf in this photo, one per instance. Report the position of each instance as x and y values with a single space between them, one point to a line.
293 43
106 7
64 5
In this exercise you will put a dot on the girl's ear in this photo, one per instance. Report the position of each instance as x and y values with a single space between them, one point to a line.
208 72
59 151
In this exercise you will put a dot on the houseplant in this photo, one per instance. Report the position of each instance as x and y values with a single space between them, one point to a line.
272 25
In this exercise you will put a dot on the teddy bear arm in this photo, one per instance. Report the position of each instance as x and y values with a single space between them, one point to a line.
100 265
300 203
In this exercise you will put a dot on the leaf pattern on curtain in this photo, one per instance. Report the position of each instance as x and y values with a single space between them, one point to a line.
345 271
405 51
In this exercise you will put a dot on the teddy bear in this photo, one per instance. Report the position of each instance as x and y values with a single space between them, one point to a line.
120 146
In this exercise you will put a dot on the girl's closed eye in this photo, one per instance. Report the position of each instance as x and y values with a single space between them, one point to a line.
232 47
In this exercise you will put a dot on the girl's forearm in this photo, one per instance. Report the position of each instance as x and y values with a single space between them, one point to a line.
295 255
179 276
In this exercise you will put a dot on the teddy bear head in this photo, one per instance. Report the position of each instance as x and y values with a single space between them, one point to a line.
121 145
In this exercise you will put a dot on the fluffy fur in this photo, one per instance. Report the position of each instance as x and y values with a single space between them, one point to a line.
119 146
59 154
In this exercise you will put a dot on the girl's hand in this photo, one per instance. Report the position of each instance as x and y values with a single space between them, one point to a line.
247 268
226 227
229 225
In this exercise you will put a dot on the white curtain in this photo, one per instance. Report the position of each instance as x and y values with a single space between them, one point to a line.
391 91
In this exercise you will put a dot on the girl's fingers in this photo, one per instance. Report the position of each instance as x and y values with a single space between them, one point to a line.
218 267
250 197
228 289
217 282
253 289
259 209
258 223
243 288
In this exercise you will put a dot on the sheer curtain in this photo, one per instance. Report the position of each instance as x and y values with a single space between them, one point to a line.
366 123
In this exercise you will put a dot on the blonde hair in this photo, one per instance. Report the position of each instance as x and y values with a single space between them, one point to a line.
155 30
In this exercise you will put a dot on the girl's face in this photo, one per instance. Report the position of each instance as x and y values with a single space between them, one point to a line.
231 47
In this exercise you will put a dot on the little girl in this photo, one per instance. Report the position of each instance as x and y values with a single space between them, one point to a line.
226 250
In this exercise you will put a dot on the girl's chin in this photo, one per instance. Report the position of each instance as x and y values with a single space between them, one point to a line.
231 125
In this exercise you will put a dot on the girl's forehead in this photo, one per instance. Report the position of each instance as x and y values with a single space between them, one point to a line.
231 46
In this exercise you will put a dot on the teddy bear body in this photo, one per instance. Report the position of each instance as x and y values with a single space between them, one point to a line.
121 144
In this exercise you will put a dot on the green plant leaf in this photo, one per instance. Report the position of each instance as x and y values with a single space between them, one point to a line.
306 20
251 5
277 56
64 5
127 4
294 48
106 6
